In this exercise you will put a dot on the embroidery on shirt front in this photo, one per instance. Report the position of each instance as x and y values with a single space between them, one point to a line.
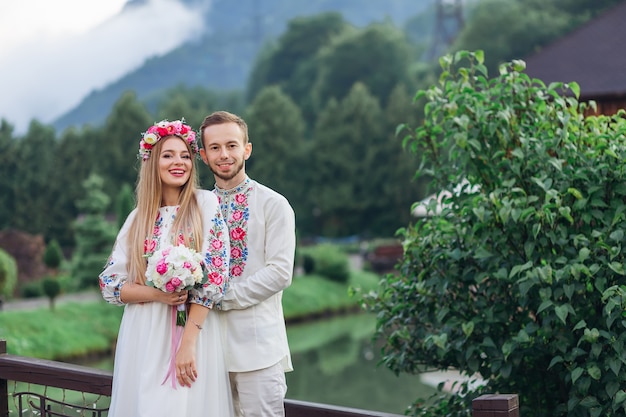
235 209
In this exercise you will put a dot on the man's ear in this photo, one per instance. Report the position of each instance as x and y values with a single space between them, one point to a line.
203 156
247 151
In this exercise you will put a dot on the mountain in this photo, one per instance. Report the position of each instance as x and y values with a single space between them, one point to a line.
221 58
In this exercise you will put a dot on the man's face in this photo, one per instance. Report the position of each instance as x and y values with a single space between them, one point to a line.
225 153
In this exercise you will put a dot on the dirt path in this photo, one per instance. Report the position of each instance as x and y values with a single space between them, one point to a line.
33 303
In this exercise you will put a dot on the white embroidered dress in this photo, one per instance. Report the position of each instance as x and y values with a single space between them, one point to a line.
142 355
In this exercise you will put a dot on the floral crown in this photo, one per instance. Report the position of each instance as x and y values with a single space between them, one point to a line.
158 131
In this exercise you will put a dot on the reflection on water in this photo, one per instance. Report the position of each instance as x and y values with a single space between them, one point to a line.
336 363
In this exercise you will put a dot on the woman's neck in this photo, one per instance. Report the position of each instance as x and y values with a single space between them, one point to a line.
170 197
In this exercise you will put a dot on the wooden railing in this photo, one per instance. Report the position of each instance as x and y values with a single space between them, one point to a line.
89 380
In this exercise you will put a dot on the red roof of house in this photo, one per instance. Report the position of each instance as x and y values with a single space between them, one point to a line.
593 55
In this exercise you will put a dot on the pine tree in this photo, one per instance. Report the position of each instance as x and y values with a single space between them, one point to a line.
93 234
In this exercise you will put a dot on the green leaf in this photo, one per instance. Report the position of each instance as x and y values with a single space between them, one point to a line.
620 398
576 373
615 364
575 88
544 305
611 388
480 56
617 267
576 193
561 312
583 254
468 328
594 372
554 361
589 401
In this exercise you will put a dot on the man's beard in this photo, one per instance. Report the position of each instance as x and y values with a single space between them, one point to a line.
227 176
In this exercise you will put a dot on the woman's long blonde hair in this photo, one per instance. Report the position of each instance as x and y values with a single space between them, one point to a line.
149 195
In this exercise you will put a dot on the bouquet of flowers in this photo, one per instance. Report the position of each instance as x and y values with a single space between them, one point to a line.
174 269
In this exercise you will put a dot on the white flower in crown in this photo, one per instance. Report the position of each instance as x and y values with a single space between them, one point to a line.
150 138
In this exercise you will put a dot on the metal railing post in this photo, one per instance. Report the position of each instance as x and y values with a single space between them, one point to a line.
4 386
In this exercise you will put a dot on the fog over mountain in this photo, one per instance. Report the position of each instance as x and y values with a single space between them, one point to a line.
46 78
155 44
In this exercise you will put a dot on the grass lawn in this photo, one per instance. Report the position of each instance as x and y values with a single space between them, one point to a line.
76 329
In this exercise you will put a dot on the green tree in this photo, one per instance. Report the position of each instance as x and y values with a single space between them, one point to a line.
395 176
32 194
8 275
276 130
520 278
509 29
76 152
117 151
124 204
53 255
377 56
344 155
291 62
8 164
51 288
93 234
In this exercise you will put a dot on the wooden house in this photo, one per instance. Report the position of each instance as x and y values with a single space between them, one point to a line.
594 56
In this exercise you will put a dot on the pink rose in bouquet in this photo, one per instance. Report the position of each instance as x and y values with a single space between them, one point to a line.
175 269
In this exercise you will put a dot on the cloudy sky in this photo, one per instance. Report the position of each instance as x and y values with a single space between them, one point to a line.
53 53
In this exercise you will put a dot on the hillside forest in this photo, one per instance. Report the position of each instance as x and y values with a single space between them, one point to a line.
322 101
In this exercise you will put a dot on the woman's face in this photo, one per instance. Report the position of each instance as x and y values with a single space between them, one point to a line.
175 163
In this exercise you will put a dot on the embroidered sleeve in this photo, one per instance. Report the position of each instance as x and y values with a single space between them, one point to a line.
216 250
115 273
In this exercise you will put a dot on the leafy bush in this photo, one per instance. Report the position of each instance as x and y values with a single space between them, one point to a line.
8 274
31 290
51 288
327 260
520 278
53 256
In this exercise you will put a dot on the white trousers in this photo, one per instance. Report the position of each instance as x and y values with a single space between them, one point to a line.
259 393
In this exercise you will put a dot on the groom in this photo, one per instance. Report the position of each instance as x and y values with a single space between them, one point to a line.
262 238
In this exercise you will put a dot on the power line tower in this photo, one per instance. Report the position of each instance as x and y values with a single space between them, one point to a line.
449 21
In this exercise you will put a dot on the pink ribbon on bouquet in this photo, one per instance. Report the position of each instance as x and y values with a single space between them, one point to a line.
177 333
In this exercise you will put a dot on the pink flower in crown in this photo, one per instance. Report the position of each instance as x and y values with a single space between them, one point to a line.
237 233
216 278
237 215
236 271
216 244
217 261
157 230
161 267
164 131
240 198
186 265
235 253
